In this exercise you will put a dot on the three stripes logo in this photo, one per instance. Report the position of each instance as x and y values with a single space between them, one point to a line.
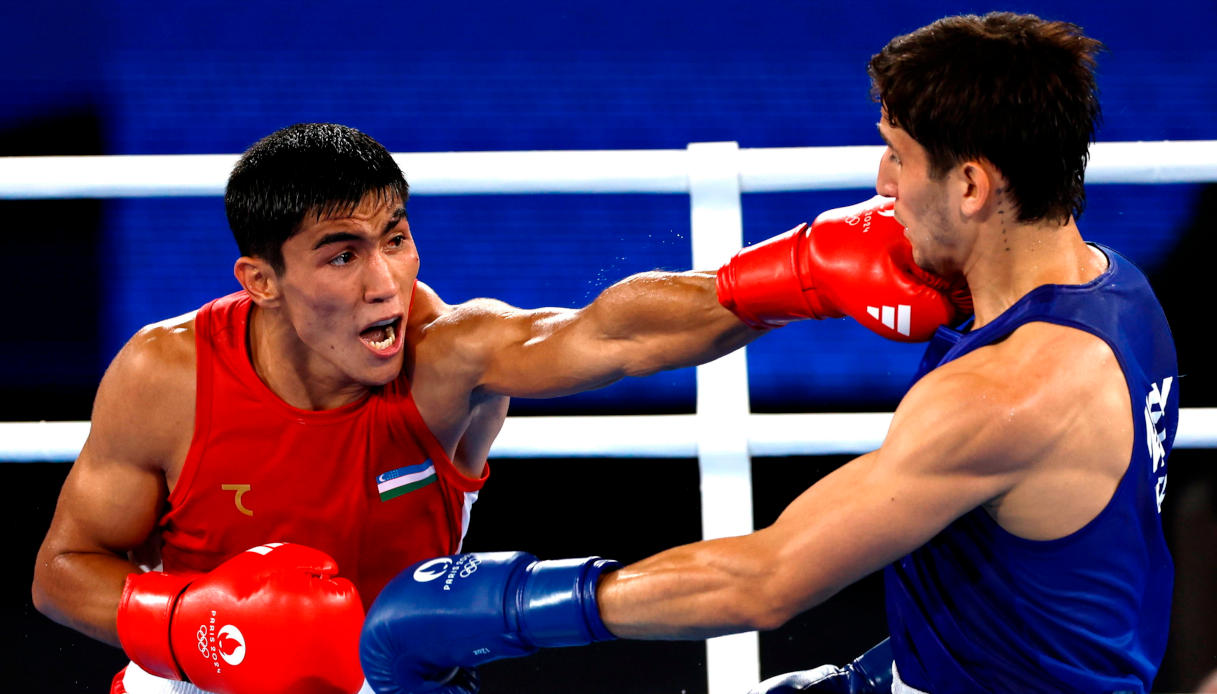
898 318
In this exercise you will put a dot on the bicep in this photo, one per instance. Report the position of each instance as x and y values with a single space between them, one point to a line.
105 506
113 494
855 521
941 458
638 326
545 352
847 525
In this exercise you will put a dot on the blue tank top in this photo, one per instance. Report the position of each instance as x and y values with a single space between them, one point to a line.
977 609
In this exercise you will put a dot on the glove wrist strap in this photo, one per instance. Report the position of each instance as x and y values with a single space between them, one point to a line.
558 603
145 612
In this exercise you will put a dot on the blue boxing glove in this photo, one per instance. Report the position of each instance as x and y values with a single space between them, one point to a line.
869 673
439 618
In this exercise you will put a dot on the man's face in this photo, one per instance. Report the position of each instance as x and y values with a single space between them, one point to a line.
346 289
922 203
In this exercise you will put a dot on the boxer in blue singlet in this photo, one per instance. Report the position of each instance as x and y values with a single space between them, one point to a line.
1014 503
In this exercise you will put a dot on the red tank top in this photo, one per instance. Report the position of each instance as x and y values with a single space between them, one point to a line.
367 482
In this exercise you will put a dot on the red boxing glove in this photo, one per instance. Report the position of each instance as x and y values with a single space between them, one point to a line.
272 619
852 261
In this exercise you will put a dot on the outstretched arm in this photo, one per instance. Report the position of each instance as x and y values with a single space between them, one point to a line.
643 324
1036 430
849 524
851 261
942 457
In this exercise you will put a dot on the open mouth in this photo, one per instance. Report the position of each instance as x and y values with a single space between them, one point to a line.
382 336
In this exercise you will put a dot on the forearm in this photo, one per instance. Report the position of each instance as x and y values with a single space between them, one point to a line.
668 320
645 323
81 591
695 591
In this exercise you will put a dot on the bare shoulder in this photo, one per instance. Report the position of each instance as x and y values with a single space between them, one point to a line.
1057 371
451 346
465 336
159 357
144 409
433 318
1017 395
1048 396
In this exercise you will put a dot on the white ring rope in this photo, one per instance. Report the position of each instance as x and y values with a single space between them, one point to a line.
618 171
605 171
714 175
616 436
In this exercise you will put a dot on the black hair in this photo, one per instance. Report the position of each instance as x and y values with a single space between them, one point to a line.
1014 89
318 169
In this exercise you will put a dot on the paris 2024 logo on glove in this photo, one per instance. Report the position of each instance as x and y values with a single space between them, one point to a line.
448 568
226 643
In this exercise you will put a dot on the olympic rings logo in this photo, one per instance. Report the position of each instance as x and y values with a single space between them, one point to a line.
201 634
462 567
470 567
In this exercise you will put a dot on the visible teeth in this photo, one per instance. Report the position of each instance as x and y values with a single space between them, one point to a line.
387 321
388 341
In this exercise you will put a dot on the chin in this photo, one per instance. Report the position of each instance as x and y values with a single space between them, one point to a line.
932 264
381 375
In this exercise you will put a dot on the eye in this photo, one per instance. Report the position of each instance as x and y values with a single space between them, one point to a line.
342 258
398 241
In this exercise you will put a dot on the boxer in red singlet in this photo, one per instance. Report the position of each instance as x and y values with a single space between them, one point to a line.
338 403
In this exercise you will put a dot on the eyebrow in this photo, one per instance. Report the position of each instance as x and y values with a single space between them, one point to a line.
398 215
336 237
346 236
878 126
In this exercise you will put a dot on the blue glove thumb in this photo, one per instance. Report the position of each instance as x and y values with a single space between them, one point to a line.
870 673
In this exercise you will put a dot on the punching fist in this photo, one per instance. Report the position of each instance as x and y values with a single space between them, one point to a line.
271 619
439 618
853 261
869 673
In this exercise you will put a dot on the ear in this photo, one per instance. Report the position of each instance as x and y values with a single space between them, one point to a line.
976 187
259 279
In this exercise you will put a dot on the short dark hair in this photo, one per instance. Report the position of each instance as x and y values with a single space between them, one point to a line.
320 169
1014 89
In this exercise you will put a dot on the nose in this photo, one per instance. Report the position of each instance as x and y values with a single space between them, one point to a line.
379 282
885 181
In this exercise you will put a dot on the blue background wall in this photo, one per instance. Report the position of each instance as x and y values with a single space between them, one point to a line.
212 78
143 77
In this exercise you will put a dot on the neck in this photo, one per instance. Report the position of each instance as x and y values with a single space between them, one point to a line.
1010 260
290 369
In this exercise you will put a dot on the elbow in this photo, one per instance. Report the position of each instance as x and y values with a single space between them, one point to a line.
645 365
779 599
767 615
41 603
38 592
42 588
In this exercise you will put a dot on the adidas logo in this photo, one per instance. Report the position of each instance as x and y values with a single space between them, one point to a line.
893 317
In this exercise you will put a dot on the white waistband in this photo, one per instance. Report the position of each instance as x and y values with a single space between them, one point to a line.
137 681
899 687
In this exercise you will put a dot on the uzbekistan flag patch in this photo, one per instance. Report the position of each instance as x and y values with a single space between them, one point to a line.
403 480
